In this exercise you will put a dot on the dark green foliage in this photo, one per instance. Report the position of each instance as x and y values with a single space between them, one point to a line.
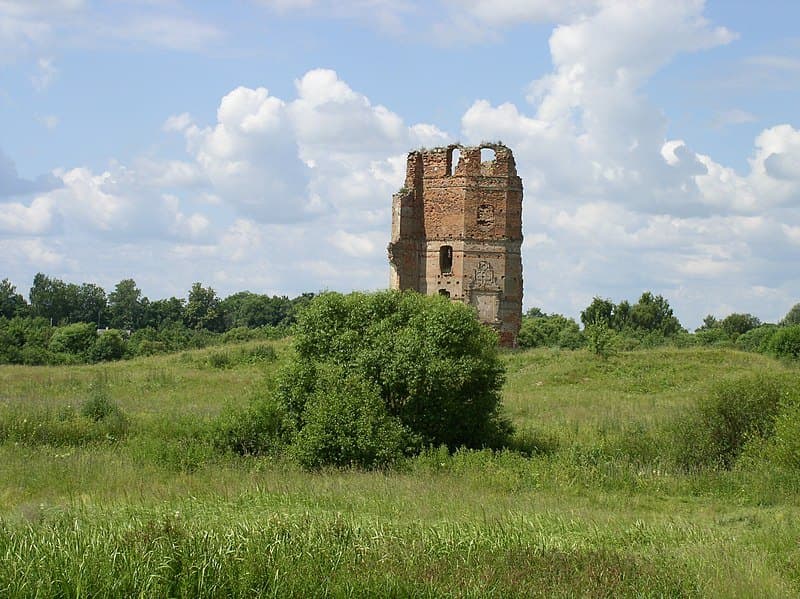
49 299
709 322
110 345
126 306
756 340
599 310
783 448
346 423
437 369
552 330
90 304
163 313
203 310
653 314
650 321
785 343
11 303
147 327
20 338
246 309
715 336
260 429
76 339
599 338
241 334
738 411
737 324
792 316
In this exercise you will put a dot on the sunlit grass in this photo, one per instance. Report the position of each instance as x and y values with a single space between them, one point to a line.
594 512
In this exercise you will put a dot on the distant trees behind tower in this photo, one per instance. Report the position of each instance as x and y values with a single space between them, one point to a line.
650 322
31 330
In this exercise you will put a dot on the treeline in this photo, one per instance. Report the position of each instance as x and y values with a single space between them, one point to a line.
650 322
68 323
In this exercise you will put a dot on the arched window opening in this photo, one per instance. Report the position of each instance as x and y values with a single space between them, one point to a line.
455 156
488 155
446 259
444 293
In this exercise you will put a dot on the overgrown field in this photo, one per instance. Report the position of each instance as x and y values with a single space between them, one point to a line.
140 501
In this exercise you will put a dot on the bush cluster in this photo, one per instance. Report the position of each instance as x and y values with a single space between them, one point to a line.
65 323
33 341
554 330
375 377
740 413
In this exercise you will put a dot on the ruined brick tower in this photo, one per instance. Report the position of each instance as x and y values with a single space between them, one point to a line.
457 231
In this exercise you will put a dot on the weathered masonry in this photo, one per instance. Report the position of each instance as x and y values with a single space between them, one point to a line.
457 231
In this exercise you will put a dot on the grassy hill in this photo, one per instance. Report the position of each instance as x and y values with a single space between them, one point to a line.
593 507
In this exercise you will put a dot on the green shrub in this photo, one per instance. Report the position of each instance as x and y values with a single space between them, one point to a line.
220 359
714 336
146 347
552 330
76 339
756 340
33 355
259 429
684 339
436 367
347 424
738 411
738 324
98 406
785 343
792 317
600 338
783 448
110 345
624 341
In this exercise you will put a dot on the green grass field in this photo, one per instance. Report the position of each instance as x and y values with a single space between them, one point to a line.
153 510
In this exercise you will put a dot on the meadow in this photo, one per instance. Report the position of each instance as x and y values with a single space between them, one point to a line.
145 504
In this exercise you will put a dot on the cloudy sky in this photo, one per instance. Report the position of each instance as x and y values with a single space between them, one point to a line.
255 144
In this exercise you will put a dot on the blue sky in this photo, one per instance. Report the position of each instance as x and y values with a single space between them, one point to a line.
255 144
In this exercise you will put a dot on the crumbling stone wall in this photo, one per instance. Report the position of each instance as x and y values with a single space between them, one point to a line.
457 231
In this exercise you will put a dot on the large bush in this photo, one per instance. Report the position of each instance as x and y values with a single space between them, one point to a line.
110 345
785 343
76 339
738 324
346 423
553 330
433 365
757 340
738 412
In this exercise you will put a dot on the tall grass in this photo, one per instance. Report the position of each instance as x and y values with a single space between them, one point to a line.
586 502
